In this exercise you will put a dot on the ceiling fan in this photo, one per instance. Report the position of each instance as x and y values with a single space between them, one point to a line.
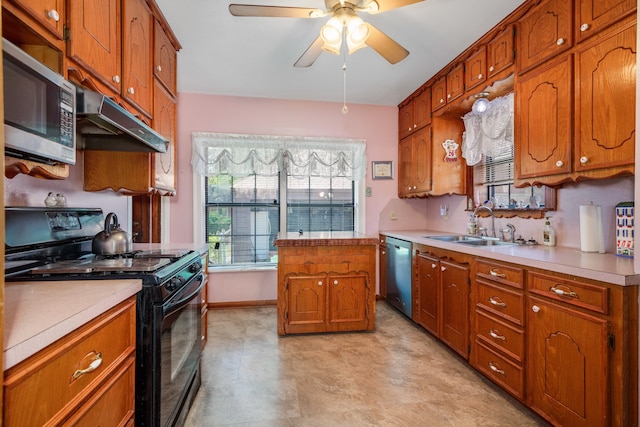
344 24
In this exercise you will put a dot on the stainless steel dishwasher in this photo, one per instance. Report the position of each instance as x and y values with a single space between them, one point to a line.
399 274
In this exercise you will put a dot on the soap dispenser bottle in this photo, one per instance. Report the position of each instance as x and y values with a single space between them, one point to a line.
472 225
548 233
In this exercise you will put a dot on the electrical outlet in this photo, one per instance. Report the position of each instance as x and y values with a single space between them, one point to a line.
393 216
368 192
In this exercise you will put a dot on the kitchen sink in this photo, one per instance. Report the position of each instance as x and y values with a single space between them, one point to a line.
460 238
470 240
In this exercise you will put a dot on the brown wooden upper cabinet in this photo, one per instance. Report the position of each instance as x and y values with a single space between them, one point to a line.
448 88
500 52
602 86
137 77
476 68
544 32
95 44
593 16
414 160
415 114
164 59
50 15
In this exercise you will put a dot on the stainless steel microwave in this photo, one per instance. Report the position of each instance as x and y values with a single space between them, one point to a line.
39 109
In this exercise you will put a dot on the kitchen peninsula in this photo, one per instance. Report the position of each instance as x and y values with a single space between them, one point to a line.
326 282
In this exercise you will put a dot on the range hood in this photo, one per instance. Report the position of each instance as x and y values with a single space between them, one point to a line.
106 126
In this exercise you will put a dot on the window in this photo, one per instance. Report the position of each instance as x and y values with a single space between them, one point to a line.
254 186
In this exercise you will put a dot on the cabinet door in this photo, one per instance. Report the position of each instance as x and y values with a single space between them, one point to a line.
405 120
476 68
49 13
439 93
455 83
137 34
422 109
94 39
567 364
543 122
454 330
500 53
164 121
593 16
422 159
347 300
429 292
544 32
305 299
405 166
164 59
449 174
605 101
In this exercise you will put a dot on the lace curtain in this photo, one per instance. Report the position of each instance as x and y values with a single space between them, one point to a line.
490 133
243 155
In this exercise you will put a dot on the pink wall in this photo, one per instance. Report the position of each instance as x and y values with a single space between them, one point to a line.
378 125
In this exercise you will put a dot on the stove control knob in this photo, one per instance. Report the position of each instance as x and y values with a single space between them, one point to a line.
195 267
175 283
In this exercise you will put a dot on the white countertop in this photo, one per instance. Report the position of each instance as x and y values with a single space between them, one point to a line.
39 313
607 267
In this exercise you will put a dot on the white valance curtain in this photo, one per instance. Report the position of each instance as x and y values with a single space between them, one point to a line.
242 155
489 133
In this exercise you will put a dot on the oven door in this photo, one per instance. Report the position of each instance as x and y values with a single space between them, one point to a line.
179 352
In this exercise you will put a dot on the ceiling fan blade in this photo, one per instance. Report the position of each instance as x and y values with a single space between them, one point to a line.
388 48
311 54
274 11
384 5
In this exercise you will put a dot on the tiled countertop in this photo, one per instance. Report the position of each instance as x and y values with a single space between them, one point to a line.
325 238
607 267
39 313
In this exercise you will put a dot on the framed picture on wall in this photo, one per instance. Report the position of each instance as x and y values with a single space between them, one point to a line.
382 170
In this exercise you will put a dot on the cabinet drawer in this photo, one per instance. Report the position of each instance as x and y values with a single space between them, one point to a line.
508 375
503 302
502 273
591 297
46 380
497 333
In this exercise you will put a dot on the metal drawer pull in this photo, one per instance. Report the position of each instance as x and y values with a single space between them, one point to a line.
320 283
494 334
335 282
495 302
497 370
92 367
495 273
560 292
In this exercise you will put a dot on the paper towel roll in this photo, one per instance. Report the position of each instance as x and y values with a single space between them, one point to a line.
591 229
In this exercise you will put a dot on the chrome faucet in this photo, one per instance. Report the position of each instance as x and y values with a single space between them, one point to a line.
493 220
511 229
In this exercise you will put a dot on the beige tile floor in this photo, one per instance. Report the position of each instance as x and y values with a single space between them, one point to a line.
398 375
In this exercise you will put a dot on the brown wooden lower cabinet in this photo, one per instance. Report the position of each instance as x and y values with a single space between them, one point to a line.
326 288
57 386
565 346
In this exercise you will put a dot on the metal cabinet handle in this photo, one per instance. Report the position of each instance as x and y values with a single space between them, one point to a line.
335 282
434 265
443 268
495 369
131 91
492 68
495 273
92 367
584 27
559 163
535 309
159 68
494 334
561 292
320 283
495 301
560 41
584 160
480 75
116 79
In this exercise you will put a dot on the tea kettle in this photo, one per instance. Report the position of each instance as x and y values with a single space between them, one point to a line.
112 240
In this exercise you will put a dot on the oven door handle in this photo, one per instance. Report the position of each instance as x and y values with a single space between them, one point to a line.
178 305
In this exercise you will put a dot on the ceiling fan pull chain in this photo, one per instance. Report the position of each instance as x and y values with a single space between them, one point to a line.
345 109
